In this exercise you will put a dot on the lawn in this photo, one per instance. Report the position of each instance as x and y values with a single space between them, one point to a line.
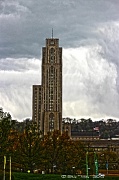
26 176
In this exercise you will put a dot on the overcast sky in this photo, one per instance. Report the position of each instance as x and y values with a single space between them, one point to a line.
88 31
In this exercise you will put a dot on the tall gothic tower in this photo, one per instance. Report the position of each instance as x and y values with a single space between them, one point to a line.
47 97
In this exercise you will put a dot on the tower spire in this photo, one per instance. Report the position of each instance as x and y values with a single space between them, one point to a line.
52 33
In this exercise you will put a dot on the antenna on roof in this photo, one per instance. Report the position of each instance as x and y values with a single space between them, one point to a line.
52 33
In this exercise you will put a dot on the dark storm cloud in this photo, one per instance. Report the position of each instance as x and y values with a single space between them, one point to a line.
25 24
89 33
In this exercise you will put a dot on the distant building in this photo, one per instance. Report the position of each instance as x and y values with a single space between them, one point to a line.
85 136
47 97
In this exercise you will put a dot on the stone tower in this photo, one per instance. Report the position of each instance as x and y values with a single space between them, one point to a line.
47 97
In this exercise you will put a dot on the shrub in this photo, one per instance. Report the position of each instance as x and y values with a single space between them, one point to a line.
7 176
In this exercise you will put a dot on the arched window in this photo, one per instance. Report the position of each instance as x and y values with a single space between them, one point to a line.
52 55
51 121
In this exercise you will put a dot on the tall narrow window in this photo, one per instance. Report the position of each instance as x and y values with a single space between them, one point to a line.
51 122
52 55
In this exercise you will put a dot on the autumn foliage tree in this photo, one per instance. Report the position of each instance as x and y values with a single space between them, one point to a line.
28 148
5 142
60 153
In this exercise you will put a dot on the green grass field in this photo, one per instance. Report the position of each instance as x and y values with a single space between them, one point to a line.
25 176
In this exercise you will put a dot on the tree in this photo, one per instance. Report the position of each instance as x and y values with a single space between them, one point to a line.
5 142
53 144
60 153
108 157
27 151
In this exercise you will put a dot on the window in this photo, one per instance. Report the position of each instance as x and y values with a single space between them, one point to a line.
52 42
52 55
51 121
